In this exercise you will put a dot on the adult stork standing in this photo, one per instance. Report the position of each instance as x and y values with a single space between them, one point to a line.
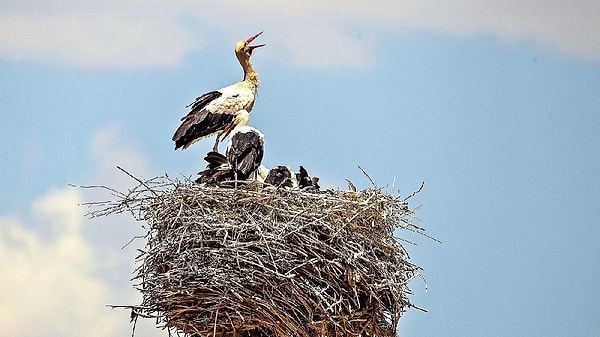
220 111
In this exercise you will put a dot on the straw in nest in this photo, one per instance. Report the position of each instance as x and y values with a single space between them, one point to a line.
263 261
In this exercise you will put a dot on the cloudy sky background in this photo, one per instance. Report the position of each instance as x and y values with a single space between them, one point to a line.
494 104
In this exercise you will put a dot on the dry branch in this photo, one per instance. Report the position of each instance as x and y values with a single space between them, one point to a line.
262 261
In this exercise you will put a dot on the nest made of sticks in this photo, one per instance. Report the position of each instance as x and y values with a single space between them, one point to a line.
265 261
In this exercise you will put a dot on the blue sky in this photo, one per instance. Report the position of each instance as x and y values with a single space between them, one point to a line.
494 105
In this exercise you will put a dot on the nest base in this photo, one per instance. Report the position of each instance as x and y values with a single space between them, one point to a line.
270 262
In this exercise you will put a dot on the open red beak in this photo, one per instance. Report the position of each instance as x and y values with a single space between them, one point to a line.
250 39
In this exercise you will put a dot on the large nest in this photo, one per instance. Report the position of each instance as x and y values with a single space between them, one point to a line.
263 261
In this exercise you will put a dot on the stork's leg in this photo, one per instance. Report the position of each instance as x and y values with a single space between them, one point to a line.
235 175
216 147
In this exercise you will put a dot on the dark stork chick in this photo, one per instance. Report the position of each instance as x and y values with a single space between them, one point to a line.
218 169
220 111
306 182
245 151
281 176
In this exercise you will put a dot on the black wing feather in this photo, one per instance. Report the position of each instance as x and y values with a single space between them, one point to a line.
215 159
303 178
306 182
245 152
279 176
218 169
200 124
201 102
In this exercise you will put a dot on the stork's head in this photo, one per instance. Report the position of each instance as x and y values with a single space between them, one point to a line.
243 49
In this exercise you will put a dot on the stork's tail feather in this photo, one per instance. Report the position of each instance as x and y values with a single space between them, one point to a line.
215 159
217 170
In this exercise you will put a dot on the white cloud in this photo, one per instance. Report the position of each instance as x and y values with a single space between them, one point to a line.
110 147
308 33
60 270
48 284
570 27
101 38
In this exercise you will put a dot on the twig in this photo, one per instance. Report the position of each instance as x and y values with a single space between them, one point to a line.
132 239
368 177
138 180
415 192
273 261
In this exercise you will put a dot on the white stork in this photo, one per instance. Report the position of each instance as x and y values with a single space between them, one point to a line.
245 151
243 158
217 170
220 111
306 182
281 176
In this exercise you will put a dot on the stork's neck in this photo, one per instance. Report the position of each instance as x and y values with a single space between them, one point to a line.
250 76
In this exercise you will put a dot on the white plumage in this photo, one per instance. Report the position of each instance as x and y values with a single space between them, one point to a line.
220 111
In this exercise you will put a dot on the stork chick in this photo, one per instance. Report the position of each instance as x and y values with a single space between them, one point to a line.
217 170
242 160
306 182
245 151
281 176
